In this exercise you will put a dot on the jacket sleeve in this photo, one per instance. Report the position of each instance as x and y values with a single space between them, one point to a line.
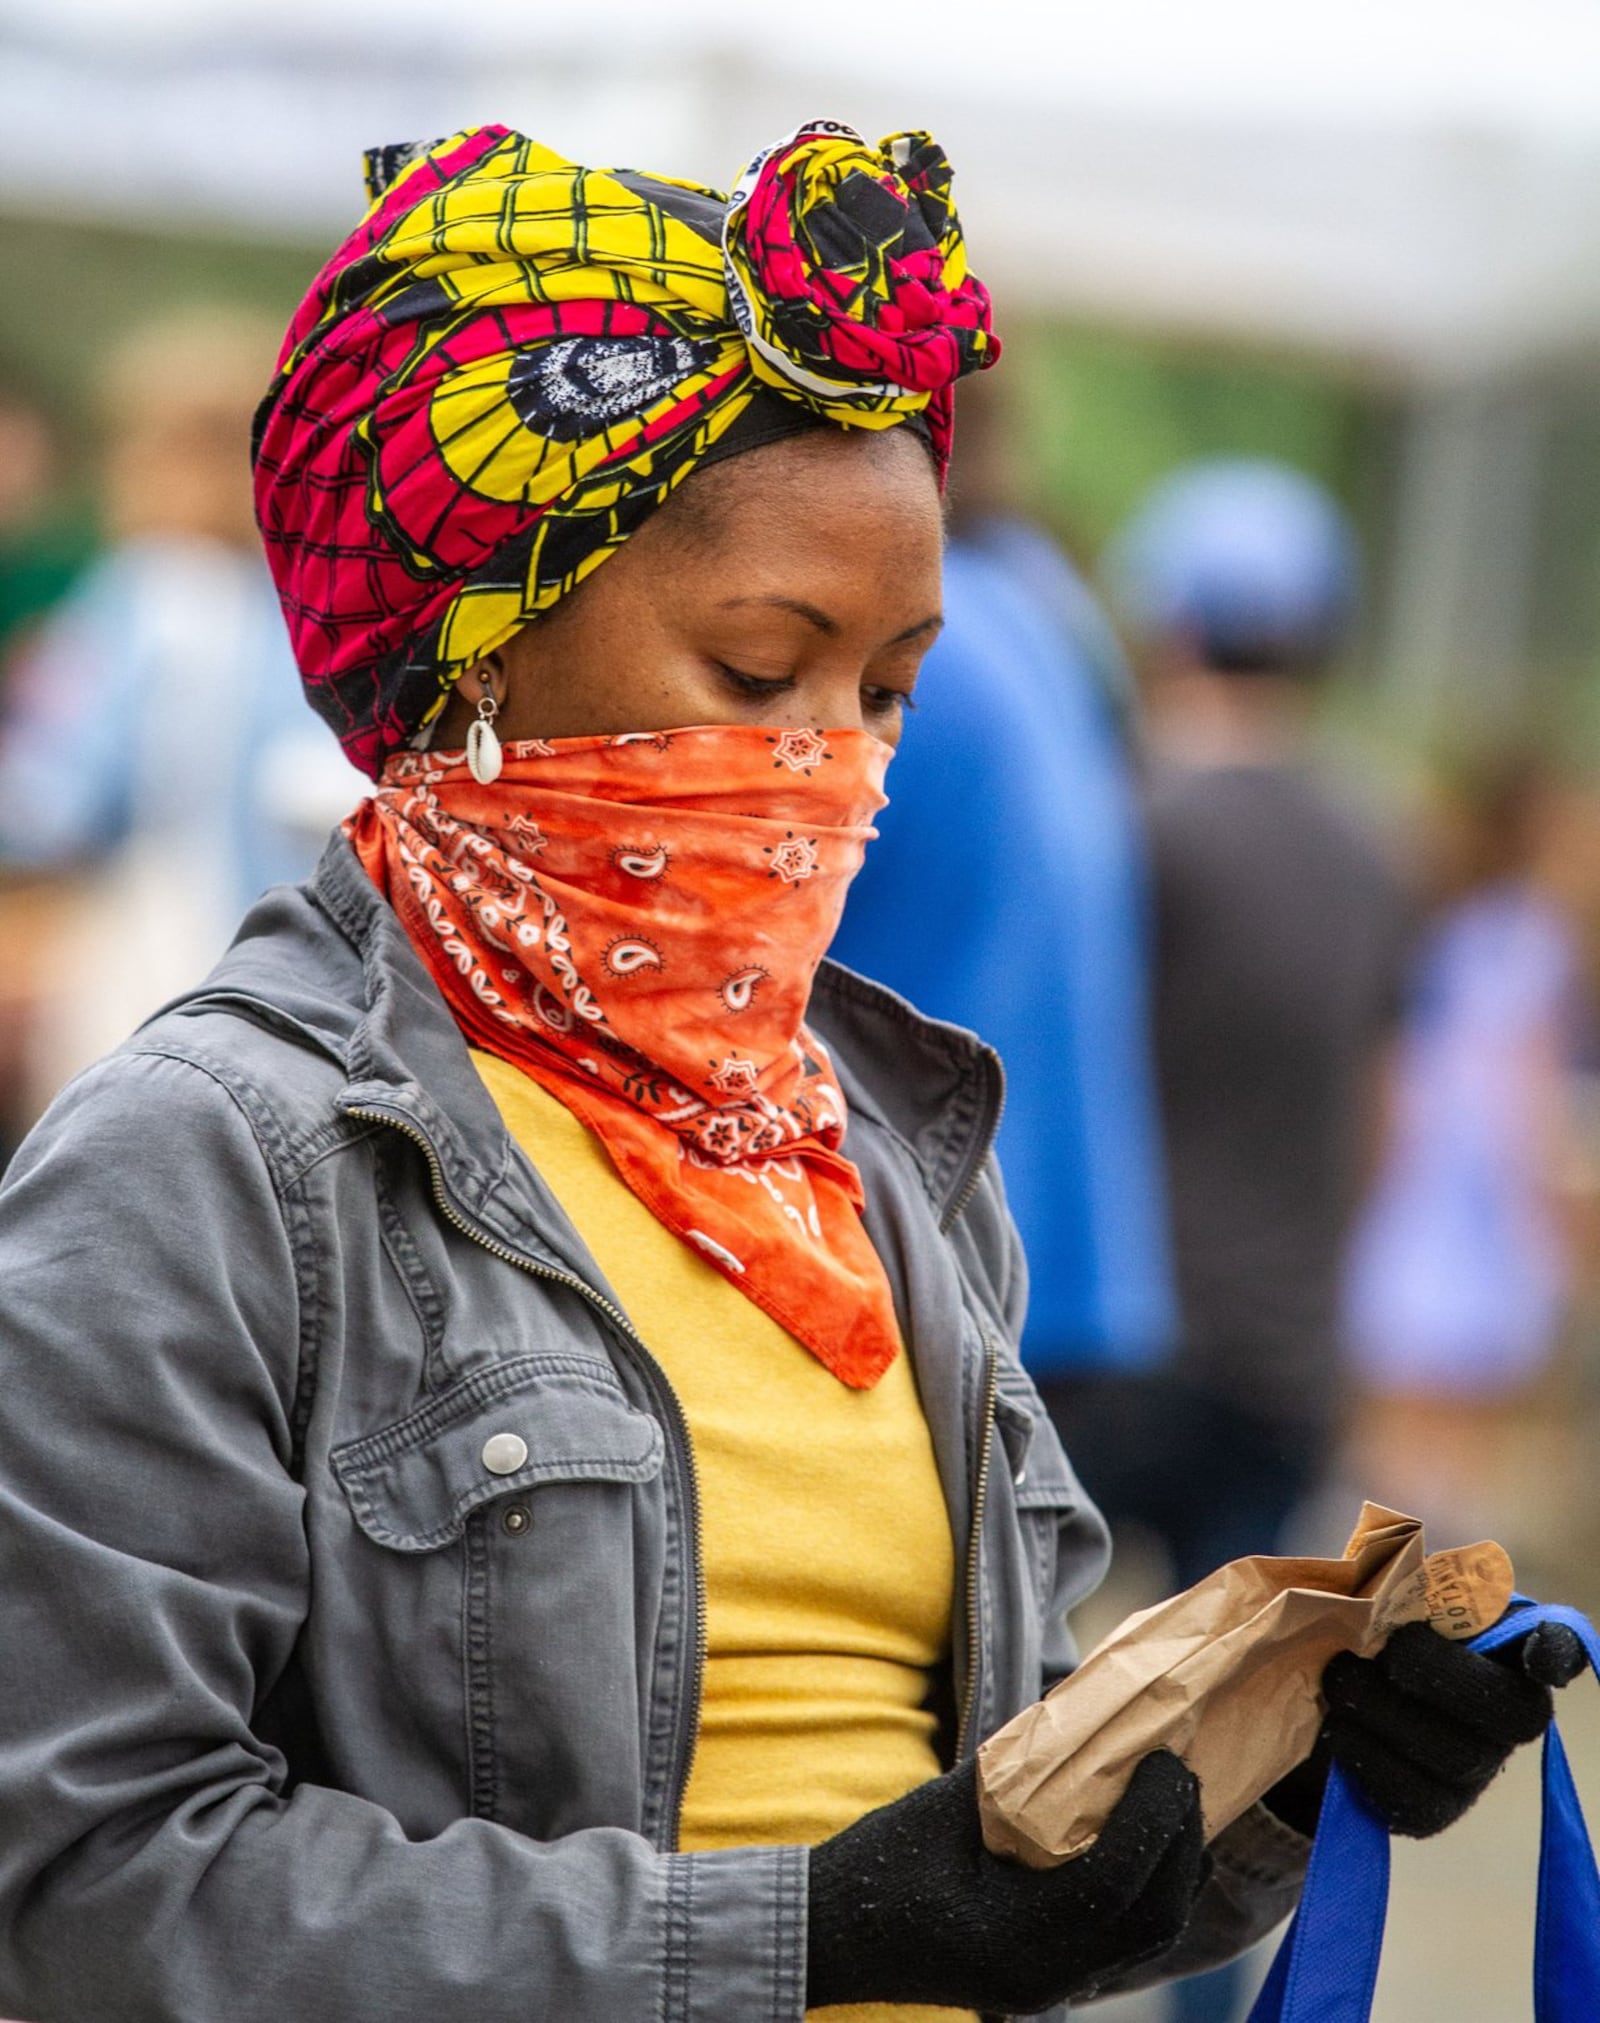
153 1578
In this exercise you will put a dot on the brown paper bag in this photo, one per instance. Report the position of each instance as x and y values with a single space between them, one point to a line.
1227 1677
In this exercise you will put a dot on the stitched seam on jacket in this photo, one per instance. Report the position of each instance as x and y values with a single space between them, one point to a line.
290 1155
298 1220
481 1493
469 1394
675 1973
263 1127
400 1248
360 1464
483 1765
788 1982
667 1659
963 1110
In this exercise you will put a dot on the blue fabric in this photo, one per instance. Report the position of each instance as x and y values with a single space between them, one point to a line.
1007 893
1566 1957
1327 1967
1456 1282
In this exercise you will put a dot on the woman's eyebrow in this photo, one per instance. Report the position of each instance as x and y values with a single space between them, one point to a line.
830 626
797 605
934 622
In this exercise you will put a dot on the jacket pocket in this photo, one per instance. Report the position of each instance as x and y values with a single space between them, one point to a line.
516 1593
1041 1475
413 1485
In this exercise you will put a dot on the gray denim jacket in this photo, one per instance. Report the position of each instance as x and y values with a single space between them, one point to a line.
307 1714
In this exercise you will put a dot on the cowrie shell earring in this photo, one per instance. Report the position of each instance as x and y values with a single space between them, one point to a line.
485 754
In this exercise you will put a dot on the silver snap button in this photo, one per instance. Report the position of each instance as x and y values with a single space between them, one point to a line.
516 1519
504 1453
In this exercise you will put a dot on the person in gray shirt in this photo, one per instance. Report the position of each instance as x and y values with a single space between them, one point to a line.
1280 937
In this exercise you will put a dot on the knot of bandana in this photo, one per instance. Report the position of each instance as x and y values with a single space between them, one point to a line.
847 275
514 360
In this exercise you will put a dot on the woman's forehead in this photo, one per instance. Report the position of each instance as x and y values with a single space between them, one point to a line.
804 484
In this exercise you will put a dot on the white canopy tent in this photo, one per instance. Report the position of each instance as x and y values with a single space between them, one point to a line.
1410 185
1413 182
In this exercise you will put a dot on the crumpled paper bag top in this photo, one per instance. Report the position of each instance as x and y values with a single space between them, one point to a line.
1227 1676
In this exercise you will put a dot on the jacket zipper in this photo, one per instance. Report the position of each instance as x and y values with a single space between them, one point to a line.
970 1181
653 1371
980 1498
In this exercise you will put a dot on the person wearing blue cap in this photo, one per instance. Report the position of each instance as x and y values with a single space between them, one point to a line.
1280 936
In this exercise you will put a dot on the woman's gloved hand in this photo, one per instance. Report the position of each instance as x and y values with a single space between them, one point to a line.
1422 1728
908 1905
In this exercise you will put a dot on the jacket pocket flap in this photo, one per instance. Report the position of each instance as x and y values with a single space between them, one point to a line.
1041 1474
514 1425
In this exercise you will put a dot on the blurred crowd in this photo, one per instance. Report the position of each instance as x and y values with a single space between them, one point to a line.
1302 1131
1303 1121
158 768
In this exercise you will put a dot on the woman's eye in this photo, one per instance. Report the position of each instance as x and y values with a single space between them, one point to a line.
754 684
887 701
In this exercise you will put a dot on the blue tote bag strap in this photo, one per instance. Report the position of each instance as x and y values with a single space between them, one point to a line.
1326 1969
1327 1966
1566 1956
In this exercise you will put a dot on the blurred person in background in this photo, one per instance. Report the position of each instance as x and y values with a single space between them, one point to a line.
155 720
1014 802
43 545
44 542
1279 944
1462 1268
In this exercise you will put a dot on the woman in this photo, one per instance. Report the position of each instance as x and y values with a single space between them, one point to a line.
476 1546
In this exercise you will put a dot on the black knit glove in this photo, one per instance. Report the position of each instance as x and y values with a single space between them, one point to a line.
908 1905
1422 1728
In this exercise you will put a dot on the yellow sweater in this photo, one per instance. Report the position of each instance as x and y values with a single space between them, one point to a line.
824 1540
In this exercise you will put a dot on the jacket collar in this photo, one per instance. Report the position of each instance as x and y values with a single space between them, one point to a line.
331 962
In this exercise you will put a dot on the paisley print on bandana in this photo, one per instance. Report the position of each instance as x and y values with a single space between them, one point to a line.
514 360
607 917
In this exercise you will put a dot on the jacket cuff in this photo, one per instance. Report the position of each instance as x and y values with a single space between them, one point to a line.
736 1936
1263 1851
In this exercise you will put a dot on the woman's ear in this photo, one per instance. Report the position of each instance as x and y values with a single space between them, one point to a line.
486 677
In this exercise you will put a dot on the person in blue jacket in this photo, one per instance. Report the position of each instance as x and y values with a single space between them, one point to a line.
1013 802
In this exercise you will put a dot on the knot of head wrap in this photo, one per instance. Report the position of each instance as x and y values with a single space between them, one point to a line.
847 276
514 360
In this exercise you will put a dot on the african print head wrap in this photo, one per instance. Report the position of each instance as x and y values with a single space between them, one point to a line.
515 359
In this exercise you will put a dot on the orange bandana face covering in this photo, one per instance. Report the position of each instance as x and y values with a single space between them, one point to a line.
635 922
